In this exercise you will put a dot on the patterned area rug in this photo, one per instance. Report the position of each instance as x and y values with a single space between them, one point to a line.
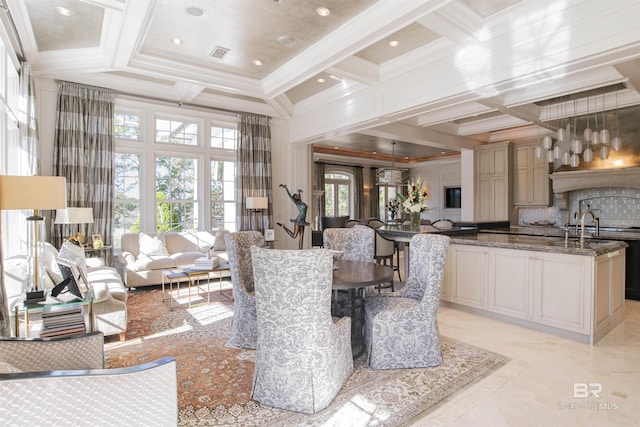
214 382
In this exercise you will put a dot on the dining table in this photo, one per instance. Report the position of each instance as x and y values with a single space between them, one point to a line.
350 280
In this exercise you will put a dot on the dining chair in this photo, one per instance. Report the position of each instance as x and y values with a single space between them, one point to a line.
401 328
357 243
244 329
303 356
333 221
352 222
375 223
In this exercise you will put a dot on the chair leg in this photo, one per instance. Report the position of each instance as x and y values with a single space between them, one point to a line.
397 266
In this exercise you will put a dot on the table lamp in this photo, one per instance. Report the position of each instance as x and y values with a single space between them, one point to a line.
75 216
33 193
257 204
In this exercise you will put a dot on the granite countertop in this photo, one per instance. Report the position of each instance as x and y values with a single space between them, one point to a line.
406 231
536 230
591 247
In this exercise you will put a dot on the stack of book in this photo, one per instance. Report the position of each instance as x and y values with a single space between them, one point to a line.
205 263
62 320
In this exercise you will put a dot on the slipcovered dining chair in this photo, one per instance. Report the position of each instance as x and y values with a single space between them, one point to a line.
244 330
401 328
357 242
303 357
375 223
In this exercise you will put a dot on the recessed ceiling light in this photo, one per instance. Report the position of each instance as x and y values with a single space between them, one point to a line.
406 158
323 11
63 11
321 80
334 77
286 40
176 41
335 148
195 11
374 152
394 43
256 62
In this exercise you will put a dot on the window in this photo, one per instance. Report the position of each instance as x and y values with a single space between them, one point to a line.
176 132
166 179
337 194
127 126
223 188
176 194
127 197
385 194
222 137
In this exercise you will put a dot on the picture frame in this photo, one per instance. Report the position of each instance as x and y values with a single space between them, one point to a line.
97 241
269 235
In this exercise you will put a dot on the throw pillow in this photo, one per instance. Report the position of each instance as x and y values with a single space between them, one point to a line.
153 245
74 254
6 368
218 243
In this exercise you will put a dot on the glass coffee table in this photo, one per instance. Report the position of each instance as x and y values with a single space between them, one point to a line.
193 275
27 310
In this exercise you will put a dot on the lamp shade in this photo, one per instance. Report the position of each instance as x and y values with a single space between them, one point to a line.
257 202
32 192
74 216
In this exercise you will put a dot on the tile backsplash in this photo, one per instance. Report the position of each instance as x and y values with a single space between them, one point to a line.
616 207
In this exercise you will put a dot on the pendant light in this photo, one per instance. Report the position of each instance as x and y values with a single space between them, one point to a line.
392 176
616 142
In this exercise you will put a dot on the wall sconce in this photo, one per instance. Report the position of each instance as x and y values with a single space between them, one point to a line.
257 204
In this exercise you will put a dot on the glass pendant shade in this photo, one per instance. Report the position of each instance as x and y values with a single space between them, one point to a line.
604 136
576 146
538 152
550 156
561 134
604 152
547 143
587 156
575 160
566 158
586 135
556 152
616 143
595 138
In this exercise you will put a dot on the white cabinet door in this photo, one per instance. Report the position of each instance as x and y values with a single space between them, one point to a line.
562 296
510 288
468 275
609 288
532 186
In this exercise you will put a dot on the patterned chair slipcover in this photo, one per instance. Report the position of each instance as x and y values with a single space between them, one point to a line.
401 328
303 358
244 330
356 242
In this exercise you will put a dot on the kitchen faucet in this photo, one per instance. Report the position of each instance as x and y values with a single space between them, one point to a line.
597 221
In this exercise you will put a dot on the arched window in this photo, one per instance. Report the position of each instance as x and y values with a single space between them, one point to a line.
338 194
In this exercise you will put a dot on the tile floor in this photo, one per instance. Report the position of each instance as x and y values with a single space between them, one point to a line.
536 387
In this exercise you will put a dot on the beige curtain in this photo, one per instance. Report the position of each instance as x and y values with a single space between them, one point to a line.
253 169
84 154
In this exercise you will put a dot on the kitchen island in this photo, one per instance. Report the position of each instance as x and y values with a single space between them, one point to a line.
551 284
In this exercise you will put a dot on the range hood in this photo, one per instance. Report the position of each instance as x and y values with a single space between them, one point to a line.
564 182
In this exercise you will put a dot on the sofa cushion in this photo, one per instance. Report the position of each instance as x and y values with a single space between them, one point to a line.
186 258
152 245
219 244
7 368
154 263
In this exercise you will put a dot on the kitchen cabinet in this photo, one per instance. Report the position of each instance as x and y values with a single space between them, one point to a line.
493 198
578 296
632 271
531 183
467 275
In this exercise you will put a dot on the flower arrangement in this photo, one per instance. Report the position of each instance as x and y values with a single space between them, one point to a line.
393 205
416 199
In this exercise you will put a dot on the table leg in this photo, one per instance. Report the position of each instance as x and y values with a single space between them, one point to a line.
351 303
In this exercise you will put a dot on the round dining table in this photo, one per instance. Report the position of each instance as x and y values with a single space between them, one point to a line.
350 278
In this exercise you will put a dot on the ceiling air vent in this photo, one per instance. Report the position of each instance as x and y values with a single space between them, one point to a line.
219 52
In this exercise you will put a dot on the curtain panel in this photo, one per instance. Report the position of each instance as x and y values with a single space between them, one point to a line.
84 154
253 167
375 194
318 194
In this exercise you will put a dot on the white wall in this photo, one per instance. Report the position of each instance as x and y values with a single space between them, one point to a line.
436 175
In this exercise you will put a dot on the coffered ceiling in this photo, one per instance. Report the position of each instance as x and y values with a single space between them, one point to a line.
461 73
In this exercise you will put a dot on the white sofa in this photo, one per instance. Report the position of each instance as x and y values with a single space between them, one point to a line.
148 256
110 306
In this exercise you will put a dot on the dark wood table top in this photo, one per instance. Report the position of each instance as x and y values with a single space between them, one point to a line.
358 274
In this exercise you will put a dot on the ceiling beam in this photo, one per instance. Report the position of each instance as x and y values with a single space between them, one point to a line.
420 136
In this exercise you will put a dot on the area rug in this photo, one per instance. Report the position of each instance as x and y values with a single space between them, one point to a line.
214 381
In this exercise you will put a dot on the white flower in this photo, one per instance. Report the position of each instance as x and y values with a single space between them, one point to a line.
416 198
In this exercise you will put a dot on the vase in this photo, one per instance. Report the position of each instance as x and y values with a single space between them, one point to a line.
415 219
